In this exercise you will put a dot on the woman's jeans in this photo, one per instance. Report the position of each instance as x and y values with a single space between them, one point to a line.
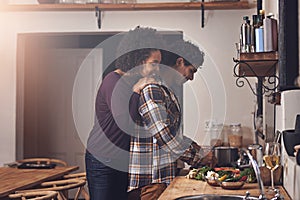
105 183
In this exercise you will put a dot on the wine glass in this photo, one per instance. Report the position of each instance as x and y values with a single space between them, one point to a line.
272 159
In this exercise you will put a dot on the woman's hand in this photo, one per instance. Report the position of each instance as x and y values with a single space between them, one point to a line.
142 83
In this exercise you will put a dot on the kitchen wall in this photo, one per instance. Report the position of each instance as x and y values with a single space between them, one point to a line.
212 93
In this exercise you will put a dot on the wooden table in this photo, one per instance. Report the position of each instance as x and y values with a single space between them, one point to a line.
182 186
12 179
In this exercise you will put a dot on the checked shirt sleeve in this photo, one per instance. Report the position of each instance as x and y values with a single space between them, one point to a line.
160 122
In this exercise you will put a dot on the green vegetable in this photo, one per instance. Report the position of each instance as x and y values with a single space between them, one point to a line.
232 179
199 176
249 172
222 173
202 172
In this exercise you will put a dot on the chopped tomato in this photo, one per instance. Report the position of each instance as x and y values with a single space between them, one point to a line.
244 178
231 169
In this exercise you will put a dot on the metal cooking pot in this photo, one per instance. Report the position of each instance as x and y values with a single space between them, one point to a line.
226 156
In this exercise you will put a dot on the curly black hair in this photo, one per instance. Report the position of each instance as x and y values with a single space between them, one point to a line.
136 46
190 53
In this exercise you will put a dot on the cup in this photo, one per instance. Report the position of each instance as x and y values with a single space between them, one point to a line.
256 151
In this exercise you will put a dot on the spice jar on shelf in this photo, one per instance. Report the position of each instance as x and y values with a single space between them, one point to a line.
235 136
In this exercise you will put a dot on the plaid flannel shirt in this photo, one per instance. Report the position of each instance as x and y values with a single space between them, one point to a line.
158 141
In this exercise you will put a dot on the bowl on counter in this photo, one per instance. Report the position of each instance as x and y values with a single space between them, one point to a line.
213 182
232 185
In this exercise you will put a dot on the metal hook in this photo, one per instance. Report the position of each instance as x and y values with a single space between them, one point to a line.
98 15
202 14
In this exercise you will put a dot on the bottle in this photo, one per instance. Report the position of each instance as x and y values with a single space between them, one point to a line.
235 138
259 39
247 36
259 32
244 35
261 17
270 33
252 38
255 21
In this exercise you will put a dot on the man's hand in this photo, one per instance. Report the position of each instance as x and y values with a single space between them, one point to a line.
142 83
209 160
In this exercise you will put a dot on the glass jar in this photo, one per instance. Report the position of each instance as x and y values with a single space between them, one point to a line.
215 135
80 1
66 1
92 1
235 136
126 1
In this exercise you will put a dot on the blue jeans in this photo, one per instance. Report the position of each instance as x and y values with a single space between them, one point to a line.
105 183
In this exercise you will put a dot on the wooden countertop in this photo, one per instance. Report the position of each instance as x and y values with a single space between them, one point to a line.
12 179
182 186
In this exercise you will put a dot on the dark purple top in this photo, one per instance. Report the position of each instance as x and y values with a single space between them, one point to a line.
113 124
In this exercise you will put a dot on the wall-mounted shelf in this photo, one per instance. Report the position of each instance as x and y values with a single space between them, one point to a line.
136 6
257 64
260 65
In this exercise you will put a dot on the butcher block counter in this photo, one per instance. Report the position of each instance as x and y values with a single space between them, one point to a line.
182 186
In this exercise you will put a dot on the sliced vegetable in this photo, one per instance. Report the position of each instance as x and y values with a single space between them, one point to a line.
230 169
223 177
212 175
243 178
223 174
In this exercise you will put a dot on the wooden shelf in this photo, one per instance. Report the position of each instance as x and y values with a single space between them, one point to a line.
261 65
258 64
122 7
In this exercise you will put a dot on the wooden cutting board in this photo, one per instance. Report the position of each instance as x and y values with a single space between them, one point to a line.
182 186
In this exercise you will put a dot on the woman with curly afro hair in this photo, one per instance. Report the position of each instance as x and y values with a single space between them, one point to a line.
107 153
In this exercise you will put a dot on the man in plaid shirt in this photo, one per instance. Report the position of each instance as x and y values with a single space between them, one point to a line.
158 141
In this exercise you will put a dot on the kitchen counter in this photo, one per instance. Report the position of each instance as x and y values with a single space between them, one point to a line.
182 186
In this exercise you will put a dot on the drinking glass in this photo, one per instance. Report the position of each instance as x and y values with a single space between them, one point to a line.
272 159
